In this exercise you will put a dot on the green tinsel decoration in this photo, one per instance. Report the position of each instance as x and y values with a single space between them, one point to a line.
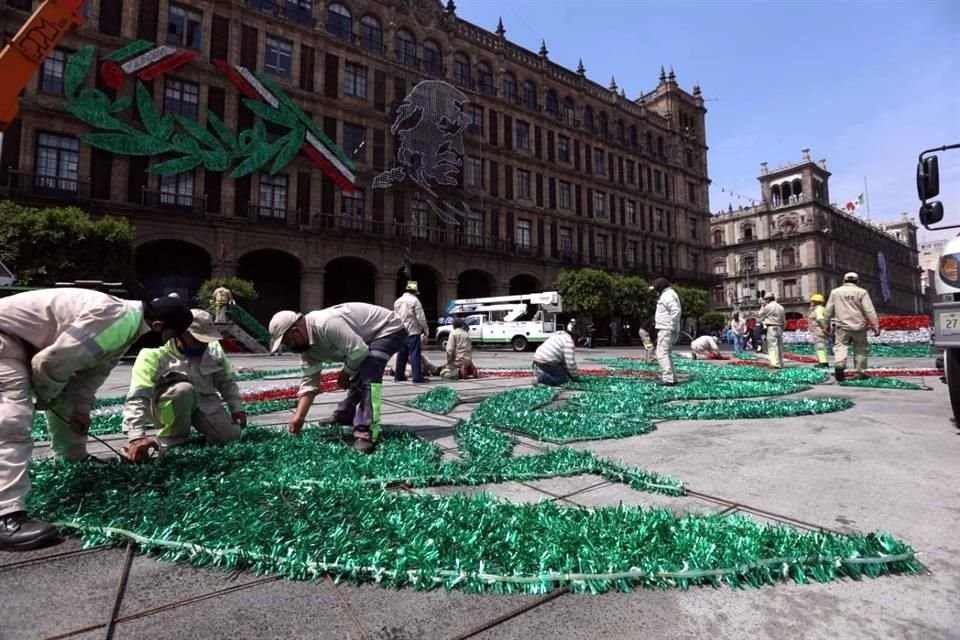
882 383
439 400
304 507
877 350
798 375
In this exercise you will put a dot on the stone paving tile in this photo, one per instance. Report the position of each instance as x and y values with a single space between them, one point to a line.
508 491
60 595
416 615
66 546
282 609
616 493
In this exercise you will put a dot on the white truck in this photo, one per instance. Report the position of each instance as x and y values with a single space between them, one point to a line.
519 321
946 315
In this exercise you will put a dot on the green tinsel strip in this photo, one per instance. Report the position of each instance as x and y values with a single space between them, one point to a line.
749 409
799 375
440 400
302 507
877 350
635 391
273 373
882 383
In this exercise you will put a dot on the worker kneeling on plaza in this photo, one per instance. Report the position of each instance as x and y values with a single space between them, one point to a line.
363 337
705 348
59 345
459 354
555 361
180 385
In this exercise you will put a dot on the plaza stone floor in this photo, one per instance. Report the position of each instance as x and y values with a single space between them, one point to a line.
892 463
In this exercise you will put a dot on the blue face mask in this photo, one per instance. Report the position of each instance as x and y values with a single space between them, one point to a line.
191 352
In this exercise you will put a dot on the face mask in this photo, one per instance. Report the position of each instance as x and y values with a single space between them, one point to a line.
300 348
191 352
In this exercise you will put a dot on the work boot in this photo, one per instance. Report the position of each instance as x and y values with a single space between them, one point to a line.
839 374
19 532
364 446
664 383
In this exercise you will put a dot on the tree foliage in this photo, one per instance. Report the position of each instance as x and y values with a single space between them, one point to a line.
632 297
712 321
693 301
587 291
43 246
243 290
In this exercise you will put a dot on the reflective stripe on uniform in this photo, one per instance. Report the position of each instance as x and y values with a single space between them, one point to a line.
167 415
121 332
77 334
376 397
145 369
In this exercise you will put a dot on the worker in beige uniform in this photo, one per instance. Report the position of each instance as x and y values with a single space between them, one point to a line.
363 337
667 323
180 385
818 326
773 318
852 309
222 298
459 354
60 345
410 311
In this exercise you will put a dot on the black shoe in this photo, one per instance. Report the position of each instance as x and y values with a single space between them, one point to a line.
421 381
839 374
364 446
663 383
19 532
399 379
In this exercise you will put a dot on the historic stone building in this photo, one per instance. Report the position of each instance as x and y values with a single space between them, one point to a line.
795 243
558 170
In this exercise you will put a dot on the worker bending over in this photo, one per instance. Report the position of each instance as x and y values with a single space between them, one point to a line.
555 361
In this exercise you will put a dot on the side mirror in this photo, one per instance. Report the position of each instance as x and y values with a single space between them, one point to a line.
931 213
928 178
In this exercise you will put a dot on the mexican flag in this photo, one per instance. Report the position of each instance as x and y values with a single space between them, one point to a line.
853 205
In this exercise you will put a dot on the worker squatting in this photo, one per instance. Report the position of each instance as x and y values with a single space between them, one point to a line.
58 346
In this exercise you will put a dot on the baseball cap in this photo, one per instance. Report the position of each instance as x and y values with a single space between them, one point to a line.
202 327
172 311
851 276
279 325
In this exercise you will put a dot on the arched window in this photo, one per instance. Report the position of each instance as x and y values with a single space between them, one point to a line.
485 79
552 105
509 88
569 110
371 34
528 96
461 70
339 21
775 195
718 295
588 118
604 123
748 233
797 191
432 57
406 45
621 134
717 237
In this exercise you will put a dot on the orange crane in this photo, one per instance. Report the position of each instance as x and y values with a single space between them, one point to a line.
21 58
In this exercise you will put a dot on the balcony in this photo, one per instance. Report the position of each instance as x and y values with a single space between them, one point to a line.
51 187
179 204
290 11
271 216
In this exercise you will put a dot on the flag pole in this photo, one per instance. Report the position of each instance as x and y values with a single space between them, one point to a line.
866 195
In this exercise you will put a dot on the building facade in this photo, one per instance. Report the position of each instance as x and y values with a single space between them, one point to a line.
795 243
558 170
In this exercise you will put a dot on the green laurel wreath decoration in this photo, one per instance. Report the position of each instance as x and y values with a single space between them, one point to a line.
191 145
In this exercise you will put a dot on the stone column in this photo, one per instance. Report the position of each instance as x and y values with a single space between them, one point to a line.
447 292
311 289
385 291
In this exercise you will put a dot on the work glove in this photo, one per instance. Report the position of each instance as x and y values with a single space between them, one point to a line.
141 449
239 417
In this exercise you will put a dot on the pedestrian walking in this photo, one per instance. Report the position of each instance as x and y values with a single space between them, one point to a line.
818 327
667 323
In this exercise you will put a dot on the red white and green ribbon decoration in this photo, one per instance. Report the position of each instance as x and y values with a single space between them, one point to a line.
145 59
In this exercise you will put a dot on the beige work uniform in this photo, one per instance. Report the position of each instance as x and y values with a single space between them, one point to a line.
853 310
774 318
459 355
58 345
667 322
817 326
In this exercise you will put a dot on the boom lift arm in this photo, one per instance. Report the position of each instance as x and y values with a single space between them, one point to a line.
24 54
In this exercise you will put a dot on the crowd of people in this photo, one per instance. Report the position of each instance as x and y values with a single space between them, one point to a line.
57 347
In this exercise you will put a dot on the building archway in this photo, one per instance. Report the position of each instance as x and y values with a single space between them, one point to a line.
349 280
427 282
276 277
524 283
160 275
475 283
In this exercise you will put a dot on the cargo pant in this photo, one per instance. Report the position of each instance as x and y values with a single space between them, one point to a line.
665 355
861 348
362 405
819 344
552 375
178 406
16 424
647 344
775 346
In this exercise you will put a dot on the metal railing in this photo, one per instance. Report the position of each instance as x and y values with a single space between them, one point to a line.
287 10
173 202
271 215
53 187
